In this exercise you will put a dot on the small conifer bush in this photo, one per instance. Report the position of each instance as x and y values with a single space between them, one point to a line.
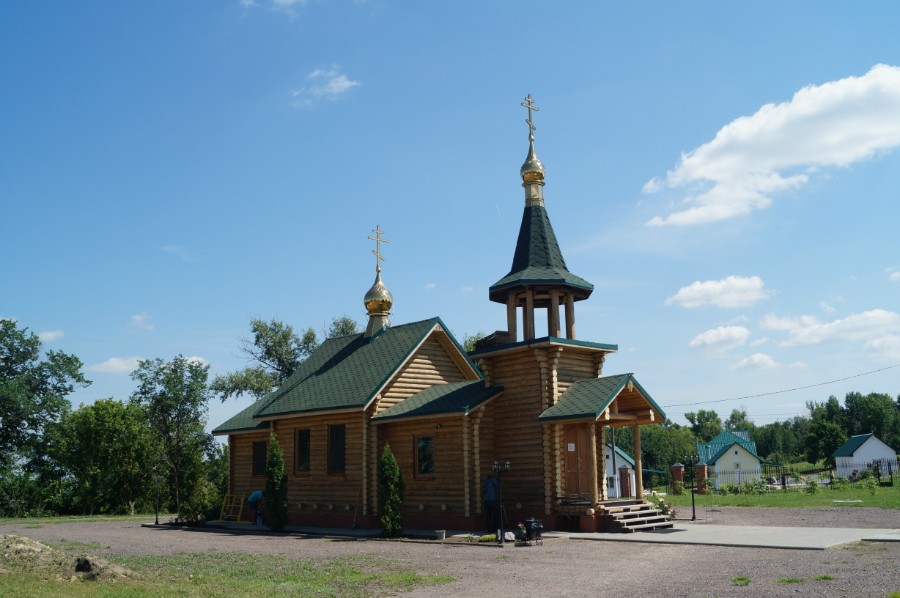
276 486
390 494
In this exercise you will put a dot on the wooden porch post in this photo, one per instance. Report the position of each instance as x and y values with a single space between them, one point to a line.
638 463
602 442
592 430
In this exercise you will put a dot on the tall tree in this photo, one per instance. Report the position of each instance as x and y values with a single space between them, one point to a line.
108 449
274 351
873 413
738 420
33 391
174 395
705 425
664 445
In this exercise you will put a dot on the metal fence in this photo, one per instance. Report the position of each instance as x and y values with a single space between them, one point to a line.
772 476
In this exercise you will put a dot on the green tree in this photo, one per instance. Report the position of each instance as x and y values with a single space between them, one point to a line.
276 486
33 392
109 450
274 351
666 444
174 396
470 340
705 425
823 438
872 413
738 420
342 326
390 494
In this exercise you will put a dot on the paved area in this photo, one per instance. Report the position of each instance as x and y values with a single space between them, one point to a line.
754 536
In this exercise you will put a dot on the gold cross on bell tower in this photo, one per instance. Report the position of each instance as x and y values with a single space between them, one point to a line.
378 241
529 105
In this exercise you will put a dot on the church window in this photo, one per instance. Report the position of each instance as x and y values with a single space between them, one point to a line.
337 435
301 462
425 455
259 458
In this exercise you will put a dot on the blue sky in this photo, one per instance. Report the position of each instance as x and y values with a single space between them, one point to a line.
726 176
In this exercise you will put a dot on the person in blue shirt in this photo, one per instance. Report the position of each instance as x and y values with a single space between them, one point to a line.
492 504
255 502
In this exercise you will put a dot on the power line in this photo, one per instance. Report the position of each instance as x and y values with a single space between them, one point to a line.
777 392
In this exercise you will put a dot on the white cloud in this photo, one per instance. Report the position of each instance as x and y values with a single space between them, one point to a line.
893 274
733 291
141 321
467 289
197 359
886 347
759 342
872 327
430 285
49 336
755 361
117 365
778 148
720 339
326 84
826 307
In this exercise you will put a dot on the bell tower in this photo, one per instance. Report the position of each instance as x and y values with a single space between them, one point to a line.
538 278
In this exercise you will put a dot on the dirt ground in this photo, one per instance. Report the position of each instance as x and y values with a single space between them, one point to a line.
560 567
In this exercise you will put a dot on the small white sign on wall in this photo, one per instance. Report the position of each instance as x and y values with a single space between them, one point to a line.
571 447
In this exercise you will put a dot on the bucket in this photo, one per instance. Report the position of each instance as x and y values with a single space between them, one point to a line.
440 534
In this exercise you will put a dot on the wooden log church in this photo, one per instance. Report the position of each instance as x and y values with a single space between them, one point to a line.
539 401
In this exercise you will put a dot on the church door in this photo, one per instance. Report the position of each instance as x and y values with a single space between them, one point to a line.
578 462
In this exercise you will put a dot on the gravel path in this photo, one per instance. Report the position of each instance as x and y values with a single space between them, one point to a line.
561 567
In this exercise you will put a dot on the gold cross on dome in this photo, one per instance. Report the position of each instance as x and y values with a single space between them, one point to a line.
378 241
529 105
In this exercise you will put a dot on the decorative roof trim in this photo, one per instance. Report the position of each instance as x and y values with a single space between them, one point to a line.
546 341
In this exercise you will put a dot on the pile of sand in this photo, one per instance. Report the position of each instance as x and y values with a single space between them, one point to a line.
18 553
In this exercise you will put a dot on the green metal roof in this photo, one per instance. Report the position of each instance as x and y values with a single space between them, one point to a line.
243 421
347 372
586 399
854 442
538 260
545 339
710 452
442 399
343 373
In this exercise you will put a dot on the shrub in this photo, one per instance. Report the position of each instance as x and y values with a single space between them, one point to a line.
812 487
390 494
276 486
678 488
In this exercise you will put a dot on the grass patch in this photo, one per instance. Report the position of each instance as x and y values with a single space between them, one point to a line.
824 577
208 574
885 498
37 521
76 546
740 581
789 580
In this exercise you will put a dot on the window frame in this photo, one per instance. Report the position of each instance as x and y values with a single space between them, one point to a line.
307 432
417 447
334 449
256 444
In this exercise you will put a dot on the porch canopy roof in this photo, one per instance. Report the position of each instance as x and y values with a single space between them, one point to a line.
612 400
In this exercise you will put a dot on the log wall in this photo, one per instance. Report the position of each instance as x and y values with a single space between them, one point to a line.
241 463
429 366
441 492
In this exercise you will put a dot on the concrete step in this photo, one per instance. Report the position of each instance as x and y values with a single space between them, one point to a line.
647 527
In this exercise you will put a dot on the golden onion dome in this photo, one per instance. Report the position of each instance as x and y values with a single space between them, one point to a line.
532 170
378 299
